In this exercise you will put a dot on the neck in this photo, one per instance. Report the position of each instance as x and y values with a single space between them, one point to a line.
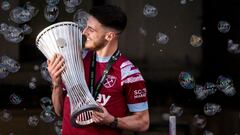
108 50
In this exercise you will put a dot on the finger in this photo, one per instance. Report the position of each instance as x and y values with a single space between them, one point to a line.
58 61
57 67
97 119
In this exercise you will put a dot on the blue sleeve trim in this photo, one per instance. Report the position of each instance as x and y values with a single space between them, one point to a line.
138 107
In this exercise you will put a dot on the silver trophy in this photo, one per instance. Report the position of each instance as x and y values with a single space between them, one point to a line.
65 38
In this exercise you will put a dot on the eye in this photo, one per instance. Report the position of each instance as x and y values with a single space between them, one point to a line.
91 29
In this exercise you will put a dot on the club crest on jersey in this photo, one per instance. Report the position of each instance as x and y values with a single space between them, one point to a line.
110 81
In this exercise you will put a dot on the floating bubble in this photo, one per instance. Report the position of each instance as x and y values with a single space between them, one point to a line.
211 109
165 116
223 26
200 92
176 110
72 3
52 2
6 115
15 99
233 48
199 121
47 116
58 127
210 88
46 103
51 13
196 41
70 9
3 28
20 15
32 85
186 80
3 71
44 72
225 84
11 65
150 11
183 2
14 34
33 79
162 38
5 5
142 31
32 9
36 67
33 121
80 17
26 29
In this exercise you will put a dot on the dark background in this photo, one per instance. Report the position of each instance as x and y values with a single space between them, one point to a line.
159 64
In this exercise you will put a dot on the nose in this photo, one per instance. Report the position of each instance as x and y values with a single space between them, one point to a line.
84 32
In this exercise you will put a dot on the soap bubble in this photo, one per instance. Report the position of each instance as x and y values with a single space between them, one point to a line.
58 127
47 116
11 65
52 2
199 121
5 5
224 26
186 80
150 11
33 121
44 72
14 34
81 17
3 71
51 13
200 92
46 103
211 109
196 41
162 38
176 110
225 84
15 99
6 115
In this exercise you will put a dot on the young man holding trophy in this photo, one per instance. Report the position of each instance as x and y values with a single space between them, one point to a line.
114 82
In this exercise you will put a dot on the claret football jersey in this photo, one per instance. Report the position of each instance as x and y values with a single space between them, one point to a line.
123 91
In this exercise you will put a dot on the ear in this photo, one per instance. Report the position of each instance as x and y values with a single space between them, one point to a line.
109 36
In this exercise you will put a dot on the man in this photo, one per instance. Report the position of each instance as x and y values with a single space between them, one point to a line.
122 95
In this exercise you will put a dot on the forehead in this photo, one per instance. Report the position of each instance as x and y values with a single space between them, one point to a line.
93 22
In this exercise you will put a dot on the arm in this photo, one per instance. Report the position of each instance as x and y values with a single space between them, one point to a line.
137 121
55 68
57 100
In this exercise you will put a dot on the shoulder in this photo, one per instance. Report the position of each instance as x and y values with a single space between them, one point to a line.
128 69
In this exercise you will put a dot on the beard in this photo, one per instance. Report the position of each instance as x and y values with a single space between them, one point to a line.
94 45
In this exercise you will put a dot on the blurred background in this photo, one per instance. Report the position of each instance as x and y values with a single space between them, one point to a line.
187 50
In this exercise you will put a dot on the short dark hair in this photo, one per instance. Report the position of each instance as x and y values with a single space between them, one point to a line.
110 16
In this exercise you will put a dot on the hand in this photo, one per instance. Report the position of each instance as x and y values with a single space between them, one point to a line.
102 117
55 68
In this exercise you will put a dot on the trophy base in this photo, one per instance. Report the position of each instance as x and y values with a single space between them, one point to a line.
82 117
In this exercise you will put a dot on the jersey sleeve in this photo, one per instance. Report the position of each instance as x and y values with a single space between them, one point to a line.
134 87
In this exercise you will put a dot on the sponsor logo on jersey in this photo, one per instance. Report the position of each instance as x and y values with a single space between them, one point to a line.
140 93
103 99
